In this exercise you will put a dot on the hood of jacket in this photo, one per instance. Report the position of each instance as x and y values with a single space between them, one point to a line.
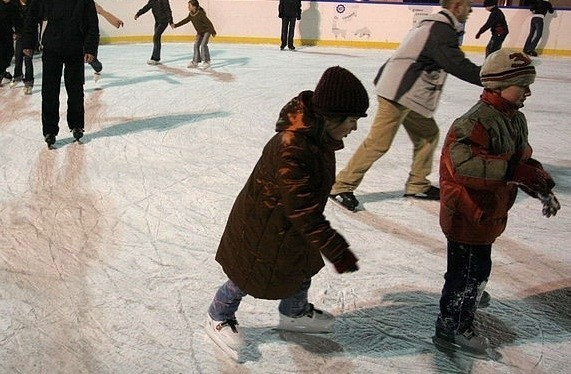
298 116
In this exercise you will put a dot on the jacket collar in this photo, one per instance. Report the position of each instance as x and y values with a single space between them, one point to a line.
494 99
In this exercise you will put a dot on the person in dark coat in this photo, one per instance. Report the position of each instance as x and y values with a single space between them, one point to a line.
20 59
485 158
71 38
10 22
497 25
539 8
289 11
162 13
276 233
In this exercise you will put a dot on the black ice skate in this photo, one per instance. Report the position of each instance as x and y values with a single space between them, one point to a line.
50 140
346 199
77 133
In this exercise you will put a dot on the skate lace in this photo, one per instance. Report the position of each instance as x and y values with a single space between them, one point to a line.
232 323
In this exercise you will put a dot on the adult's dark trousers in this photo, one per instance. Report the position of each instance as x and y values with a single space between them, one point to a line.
159 29
495 43
71 63
21 60
468 270
6 49
288 29
535 33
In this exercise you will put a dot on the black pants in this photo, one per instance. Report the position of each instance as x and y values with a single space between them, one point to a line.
495 43
467 271
22 60
535 33
71 63
6 49
288 29
159 29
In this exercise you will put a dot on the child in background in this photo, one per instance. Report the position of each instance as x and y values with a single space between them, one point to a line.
161 10
112 19
276 232
497 25
204 29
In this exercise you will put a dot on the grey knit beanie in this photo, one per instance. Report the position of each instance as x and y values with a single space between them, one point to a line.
339 93
507 67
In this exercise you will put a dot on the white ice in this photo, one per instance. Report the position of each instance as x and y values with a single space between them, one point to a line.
107 247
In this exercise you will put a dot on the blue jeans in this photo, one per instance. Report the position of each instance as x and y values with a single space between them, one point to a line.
535 33
228 298
201 51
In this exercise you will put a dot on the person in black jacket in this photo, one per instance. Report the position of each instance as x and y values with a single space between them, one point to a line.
9 23
497 25
539 9
71 38
161 10
20 58
289 11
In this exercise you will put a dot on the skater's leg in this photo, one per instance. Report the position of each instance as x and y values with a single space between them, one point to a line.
226 302
51 80
74 78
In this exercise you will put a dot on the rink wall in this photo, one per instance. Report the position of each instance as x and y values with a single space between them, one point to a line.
346 24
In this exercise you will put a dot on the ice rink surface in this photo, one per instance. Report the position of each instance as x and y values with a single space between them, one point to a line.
107 247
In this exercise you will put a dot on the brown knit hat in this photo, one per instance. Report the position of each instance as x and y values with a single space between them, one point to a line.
340 94
507 67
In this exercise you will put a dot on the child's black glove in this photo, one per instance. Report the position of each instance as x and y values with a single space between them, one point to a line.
347 263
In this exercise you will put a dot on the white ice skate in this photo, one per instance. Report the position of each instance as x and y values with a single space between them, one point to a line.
27 90
206 65
226 335
192 65
313 321
96 77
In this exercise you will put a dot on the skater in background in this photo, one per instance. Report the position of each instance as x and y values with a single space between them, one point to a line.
20 59
539 8
113 20
204 29
276 233
408 88
70 39
497 25
289 11
162 13
10 22
485 158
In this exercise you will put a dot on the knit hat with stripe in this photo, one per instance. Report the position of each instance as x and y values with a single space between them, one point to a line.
505 68
339 93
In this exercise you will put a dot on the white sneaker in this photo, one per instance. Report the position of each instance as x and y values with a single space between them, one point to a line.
226 335
313 321
192 64
27 90
153 62
96 77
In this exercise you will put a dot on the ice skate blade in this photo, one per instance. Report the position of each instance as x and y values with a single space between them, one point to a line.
452 348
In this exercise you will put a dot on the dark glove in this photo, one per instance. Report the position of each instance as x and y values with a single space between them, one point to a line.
533 178
478 35
347 263
298 18
550 204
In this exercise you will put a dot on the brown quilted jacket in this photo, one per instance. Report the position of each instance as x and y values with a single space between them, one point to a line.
276 231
